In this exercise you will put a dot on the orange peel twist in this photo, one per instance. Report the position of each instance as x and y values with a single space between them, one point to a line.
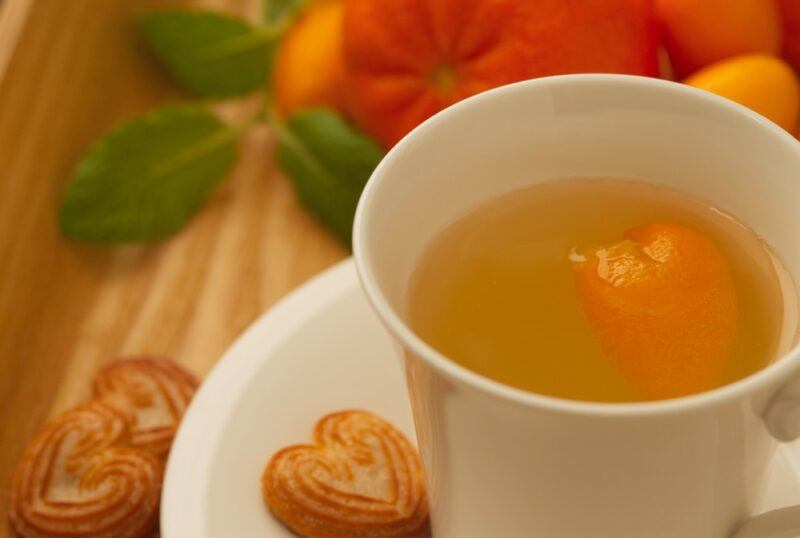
663 305
360 478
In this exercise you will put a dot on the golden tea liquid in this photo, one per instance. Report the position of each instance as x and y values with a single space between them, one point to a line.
497 292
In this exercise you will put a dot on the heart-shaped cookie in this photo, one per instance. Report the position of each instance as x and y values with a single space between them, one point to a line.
360 478
153 392
78 478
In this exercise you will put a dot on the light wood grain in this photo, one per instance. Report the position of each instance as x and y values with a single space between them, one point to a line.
76 69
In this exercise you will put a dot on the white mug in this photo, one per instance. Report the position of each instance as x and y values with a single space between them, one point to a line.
504 462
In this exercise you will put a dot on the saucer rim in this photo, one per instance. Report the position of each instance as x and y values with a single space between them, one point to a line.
207 414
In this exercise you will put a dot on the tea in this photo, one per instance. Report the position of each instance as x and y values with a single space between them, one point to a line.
603 290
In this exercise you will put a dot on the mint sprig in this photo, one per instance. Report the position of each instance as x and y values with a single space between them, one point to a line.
329 162
211 54
146 178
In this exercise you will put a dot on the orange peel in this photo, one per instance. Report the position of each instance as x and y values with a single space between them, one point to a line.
663 305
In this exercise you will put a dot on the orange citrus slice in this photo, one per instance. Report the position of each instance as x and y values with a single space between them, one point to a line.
663 306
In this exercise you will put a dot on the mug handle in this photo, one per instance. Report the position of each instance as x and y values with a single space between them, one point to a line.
782 419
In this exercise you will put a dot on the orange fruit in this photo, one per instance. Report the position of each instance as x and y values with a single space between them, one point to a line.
309 68
408 59
700 32
663 306
791 31
763 83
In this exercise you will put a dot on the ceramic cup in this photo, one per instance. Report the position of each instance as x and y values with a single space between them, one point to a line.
505 462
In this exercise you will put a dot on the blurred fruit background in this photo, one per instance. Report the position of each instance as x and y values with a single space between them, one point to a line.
132 225
343 80
389 64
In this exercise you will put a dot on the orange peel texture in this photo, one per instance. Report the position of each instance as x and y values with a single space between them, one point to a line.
407 59
663 306
360 478
697 33
153 392
791 31
78 478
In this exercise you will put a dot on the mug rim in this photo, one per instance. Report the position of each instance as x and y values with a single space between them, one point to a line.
784 365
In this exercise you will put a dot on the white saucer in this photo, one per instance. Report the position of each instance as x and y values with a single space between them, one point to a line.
319 350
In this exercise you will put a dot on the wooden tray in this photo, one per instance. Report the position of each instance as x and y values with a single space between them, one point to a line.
70 70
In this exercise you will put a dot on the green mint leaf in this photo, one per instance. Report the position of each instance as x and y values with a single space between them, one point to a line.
212 54
280 13
329 163
146 178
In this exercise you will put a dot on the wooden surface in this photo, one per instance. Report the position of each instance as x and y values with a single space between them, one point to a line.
70 70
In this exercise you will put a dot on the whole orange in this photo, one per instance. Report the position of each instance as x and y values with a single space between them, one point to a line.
791 31
763 83
408 59
309 68
700 32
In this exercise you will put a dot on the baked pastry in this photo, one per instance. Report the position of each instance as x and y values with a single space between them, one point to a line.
78 477
153 392
360 478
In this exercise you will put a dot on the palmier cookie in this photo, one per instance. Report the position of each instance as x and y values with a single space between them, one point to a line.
360 478
153 392
78 477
